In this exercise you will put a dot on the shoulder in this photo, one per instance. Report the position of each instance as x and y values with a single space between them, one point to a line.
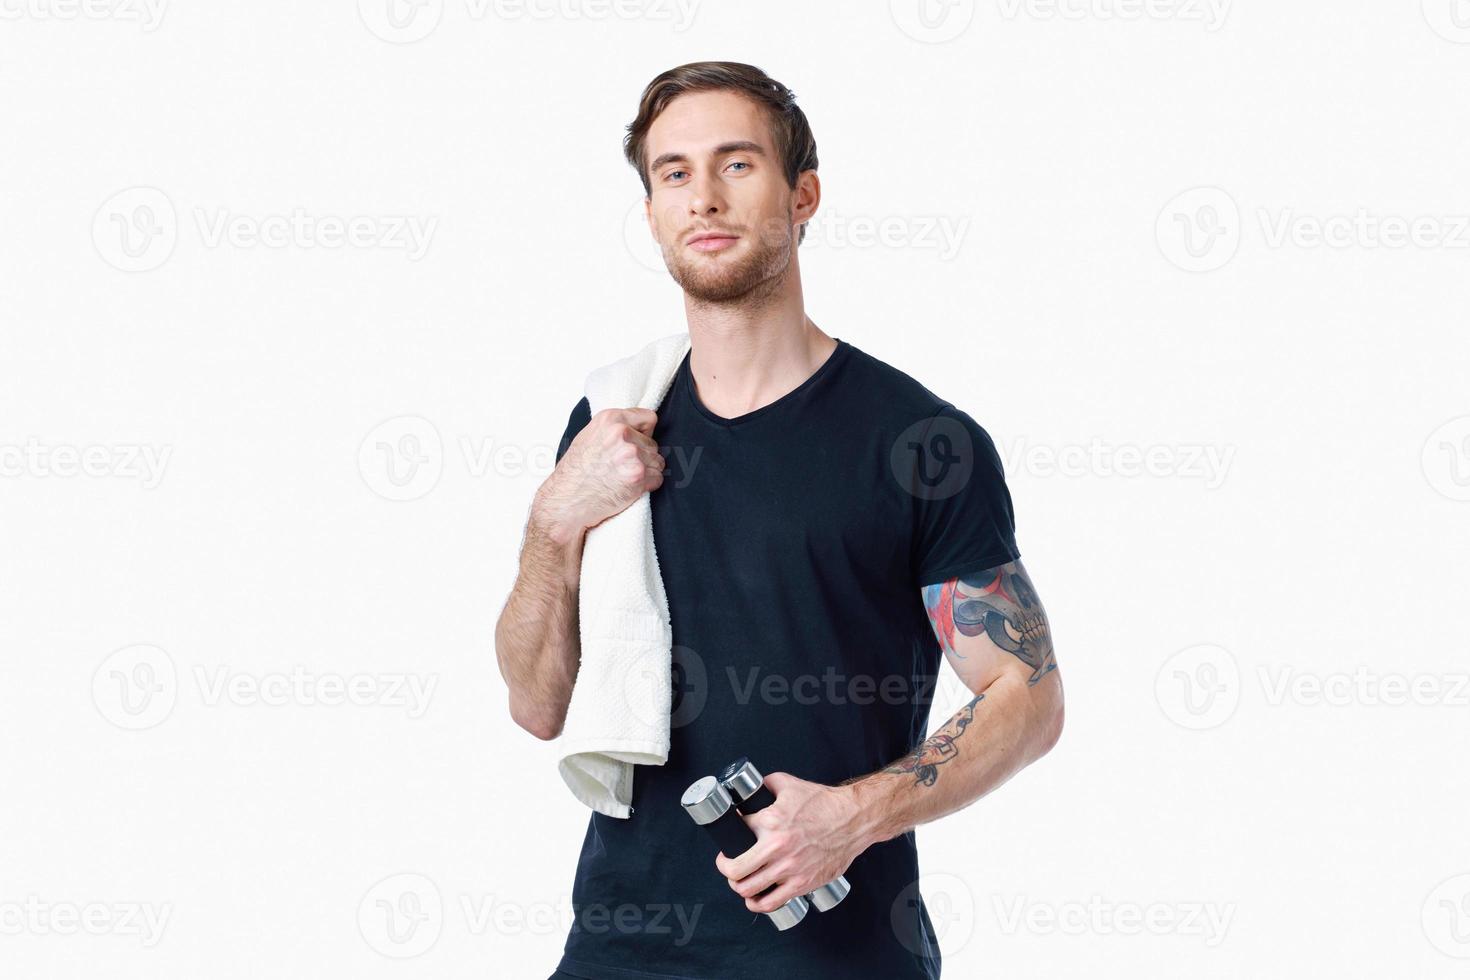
902 398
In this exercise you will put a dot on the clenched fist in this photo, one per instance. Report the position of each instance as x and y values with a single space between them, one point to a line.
611 463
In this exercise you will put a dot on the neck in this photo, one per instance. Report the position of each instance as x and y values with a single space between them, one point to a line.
743 356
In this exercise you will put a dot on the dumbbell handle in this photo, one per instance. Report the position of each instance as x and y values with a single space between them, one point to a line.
824 897
709 805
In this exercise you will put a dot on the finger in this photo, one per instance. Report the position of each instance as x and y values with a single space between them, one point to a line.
641 439
653 459
747 862
782 894
642 419
753 885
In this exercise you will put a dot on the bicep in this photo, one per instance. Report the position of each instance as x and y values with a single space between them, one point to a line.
989 623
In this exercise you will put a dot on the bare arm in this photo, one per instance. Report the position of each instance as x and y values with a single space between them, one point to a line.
610 463
994 632
536 640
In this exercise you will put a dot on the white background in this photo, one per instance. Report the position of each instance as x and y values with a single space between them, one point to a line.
1131 193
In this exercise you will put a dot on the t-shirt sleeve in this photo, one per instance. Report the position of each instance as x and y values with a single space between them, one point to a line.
581 415
963 519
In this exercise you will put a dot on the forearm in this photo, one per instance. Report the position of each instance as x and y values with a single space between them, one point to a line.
536 638
1004 729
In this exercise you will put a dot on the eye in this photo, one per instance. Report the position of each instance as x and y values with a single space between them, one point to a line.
671 173
740 163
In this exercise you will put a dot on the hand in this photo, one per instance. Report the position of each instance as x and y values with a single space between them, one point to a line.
611 463
805 839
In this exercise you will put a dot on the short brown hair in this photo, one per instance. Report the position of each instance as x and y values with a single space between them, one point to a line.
795 146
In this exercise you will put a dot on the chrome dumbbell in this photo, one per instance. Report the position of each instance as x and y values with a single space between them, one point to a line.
709 804
747 788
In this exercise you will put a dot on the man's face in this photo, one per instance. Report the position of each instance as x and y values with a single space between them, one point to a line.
713 169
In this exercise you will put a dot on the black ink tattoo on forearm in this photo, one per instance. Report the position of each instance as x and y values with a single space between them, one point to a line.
939 748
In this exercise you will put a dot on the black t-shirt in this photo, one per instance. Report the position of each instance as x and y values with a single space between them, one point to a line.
793 541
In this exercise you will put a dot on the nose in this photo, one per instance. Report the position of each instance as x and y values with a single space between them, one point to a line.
705 196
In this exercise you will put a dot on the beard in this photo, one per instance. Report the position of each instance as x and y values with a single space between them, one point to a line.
749 271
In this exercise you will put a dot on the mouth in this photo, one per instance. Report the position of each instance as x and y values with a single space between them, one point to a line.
712 241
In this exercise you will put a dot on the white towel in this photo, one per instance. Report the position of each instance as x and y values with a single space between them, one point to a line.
619 713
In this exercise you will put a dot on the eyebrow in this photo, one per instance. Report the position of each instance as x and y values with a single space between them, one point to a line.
735 146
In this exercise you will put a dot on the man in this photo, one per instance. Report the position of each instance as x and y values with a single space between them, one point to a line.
825 528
